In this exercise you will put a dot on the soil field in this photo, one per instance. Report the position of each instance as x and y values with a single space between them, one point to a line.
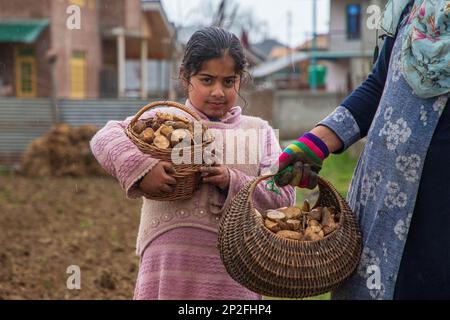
49 224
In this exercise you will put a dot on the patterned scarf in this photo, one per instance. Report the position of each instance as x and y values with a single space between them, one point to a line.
425 53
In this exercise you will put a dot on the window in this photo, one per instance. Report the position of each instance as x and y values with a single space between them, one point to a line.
25 73
78 75
82 3
79 3
92 4
353 21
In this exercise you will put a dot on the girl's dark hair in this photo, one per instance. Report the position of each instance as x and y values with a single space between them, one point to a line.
210 43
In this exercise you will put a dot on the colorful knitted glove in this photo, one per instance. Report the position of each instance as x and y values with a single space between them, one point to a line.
307 154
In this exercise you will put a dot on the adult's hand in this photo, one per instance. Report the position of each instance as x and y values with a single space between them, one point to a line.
302 160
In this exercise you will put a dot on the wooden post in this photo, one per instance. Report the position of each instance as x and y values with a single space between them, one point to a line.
121 64
144 74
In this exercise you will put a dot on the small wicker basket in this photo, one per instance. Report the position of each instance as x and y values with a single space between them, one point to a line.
273 266
187 175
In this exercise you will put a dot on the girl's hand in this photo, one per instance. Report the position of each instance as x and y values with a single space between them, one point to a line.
158 180
216 175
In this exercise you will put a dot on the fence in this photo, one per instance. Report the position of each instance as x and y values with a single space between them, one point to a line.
23 120
291 111
297 111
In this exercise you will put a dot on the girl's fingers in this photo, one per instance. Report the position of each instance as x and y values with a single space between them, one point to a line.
210 170
168 167
213 179
165 188
170 180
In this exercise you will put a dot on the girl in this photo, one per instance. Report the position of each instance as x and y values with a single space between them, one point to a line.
177 240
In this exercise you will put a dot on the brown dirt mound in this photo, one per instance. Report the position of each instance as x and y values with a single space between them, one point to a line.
63 151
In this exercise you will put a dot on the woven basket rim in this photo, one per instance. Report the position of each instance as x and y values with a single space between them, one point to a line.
148 148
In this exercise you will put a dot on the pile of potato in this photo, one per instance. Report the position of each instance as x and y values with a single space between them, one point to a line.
165 130
303 223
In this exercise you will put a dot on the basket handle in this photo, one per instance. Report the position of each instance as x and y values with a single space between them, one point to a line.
255 182
164 103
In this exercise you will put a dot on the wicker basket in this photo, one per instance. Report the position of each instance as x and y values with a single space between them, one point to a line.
273 266
187 175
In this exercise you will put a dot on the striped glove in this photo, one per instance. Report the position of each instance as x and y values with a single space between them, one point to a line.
306 154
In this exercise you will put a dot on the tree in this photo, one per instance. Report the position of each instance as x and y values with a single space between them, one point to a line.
229 15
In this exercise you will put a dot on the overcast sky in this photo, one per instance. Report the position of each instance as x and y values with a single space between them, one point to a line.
273 12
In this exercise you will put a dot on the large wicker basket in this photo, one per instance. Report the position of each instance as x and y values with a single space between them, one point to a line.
187 175
273 266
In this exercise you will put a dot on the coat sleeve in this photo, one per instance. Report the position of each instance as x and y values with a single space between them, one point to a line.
352 119
118 155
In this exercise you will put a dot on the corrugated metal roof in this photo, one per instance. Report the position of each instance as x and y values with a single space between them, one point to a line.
275 65
272 66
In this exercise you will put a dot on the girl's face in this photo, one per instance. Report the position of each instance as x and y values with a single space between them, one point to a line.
214 89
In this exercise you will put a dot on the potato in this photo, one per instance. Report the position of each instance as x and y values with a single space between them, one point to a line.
329 229
312 226
311 235
161 142
177 124
180 118
313 223
327 218
139 126
291 212
315 229
156 124
329 225
275 215
271 225
164 116
293 224
180 135
148 135
164 130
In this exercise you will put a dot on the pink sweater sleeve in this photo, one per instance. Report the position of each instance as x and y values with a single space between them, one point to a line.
263 199
118 155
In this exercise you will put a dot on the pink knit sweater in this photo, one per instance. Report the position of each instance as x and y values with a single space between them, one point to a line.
123 160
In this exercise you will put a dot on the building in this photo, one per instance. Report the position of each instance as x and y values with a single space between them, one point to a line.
79 49
345 53
352 43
